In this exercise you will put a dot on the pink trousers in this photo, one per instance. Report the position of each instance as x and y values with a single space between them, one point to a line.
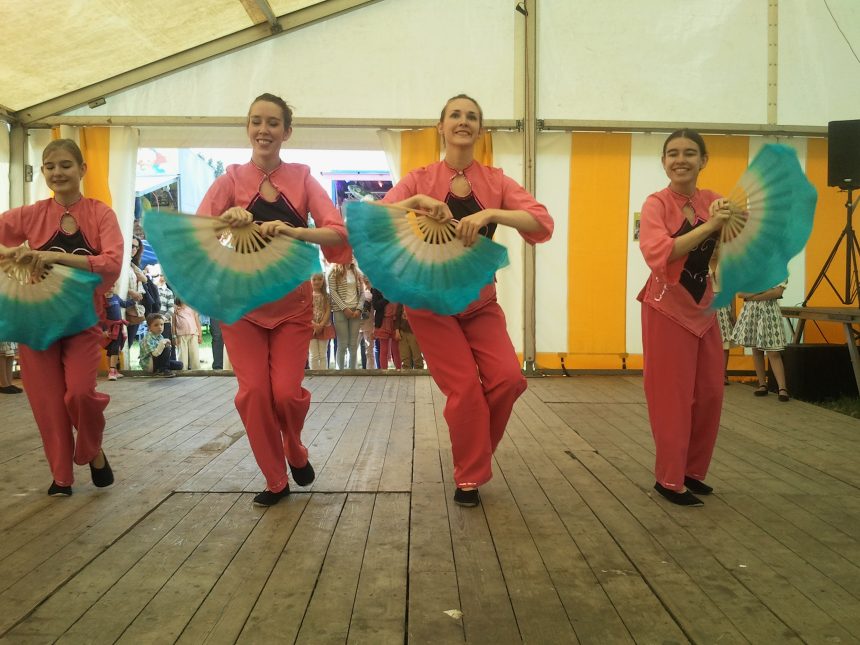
472 360
388 348
270 365
61 386
684 389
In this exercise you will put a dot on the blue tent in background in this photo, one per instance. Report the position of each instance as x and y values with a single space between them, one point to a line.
148 255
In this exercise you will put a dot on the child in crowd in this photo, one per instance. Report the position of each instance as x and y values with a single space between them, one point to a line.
725 319
383 330
410 353
365 329
155 348
188 334
114 330
321 321
726 322
8 351
760 328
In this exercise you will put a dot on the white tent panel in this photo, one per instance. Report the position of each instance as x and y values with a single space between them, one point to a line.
818 71
4 167
362 64
36 189
551 288
675 60
508 155
646 176
237 137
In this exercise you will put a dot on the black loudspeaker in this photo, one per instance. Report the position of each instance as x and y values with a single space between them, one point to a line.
843 154
815 372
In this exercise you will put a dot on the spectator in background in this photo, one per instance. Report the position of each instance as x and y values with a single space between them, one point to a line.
344 289
321 321
154 348
410 353
114 328
383 330
189 335
136 312
168 307
8 351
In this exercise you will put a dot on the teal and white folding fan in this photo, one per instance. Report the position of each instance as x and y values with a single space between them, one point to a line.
417 261
773 206
39 310
226 272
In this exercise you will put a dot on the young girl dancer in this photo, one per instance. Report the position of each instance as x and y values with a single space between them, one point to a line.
681 339
83 233
269 345
470 355
760 328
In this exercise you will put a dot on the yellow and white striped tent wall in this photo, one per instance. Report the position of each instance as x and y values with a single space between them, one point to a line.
590 274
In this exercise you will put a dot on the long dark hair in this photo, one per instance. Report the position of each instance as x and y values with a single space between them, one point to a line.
135 257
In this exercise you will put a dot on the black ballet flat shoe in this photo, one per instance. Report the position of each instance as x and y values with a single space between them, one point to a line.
303 476
10 389
101 476
697 486
467 497
268 498
59 491
761 390
783 395
681 499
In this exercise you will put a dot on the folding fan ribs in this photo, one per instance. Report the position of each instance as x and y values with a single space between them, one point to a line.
772 207
418 261
222 271
39 310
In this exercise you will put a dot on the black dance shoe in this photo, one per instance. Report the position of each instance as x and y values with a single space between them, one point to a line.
467 497
101 476
681 499
59 491
268 498
697 486
303 476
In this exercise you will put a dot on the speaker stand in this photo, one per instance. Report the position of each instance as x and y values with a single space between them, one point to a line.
852 260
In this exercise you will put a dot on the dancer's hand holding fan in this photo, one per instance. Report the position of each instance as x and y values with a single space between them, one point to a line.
39 307
419 261
225 270
772 207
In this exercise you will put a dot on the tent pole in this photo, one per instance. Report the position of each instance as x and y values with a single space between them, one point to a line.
17 164
528 9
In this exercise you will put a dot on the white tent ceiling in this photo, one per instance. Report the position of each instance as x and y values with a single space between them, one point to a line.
51 58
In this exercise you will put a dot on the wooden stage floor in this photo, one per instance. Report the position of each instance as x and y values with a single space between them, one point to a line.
570 544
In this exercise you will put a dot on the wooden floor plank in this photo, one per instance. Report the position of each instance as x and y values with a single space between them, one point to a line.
111 614
166 615
432 574
277 615
222 615
367 469
570 542
71 601
539 611
329 611
379 614
589 609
